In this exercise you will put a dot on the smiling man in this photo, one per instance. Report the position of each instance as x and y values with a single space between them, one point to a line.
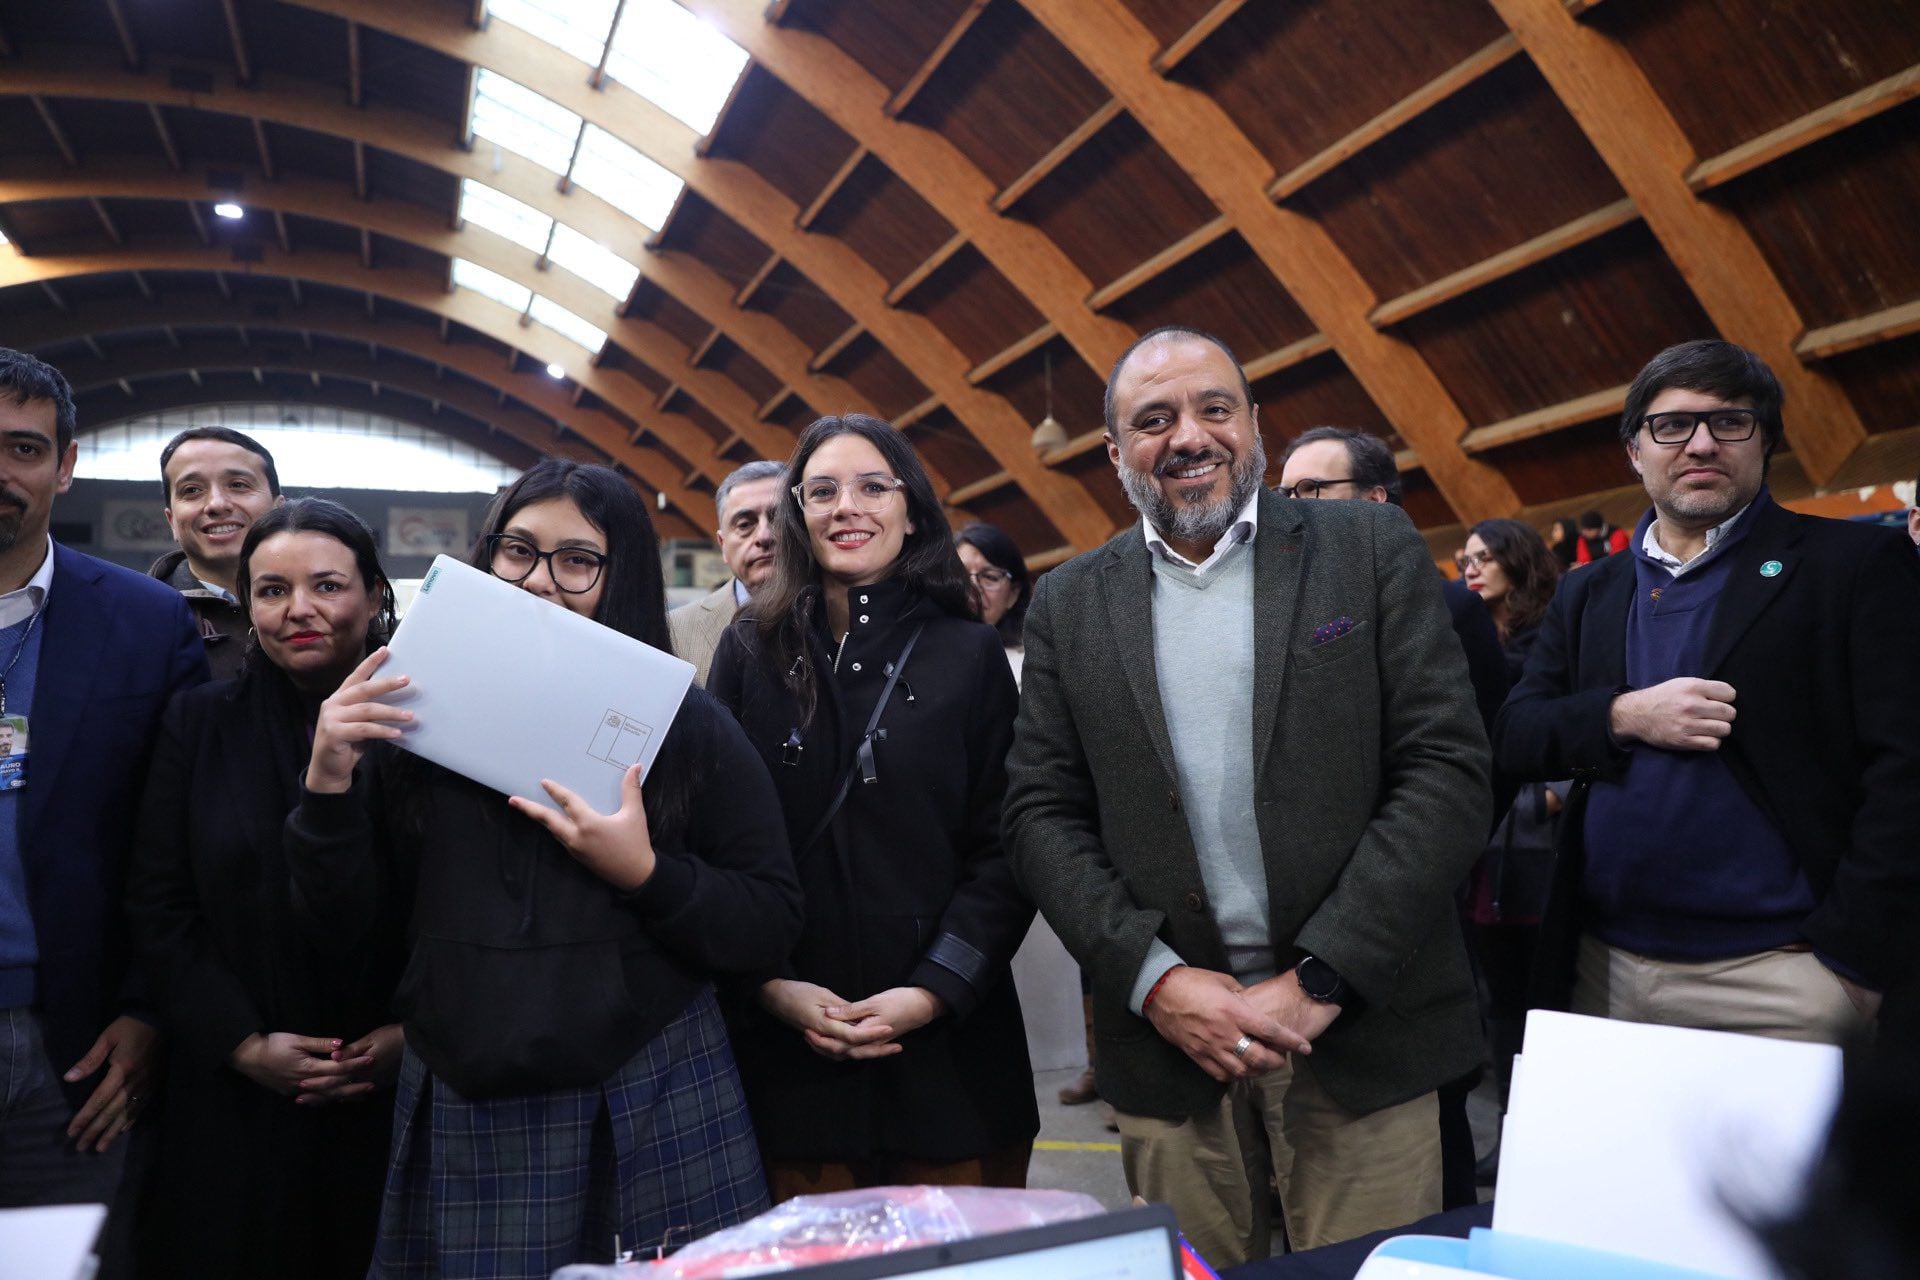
1738 702
89 655
1247 775
216 482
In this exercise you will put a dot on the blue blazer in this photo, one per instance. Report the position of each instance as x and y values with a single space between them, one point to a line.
115 647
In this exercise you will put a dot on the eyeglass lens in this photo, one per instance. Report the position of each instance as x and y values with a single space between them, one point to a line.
870 493
1729 426
574 569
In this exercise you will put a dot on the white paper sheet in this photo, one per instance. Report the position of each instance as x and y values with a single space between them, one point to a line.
1636 1138
54 1242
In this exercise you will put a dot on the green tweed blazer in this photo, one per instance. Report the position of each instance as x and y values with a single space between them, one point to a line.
1373 798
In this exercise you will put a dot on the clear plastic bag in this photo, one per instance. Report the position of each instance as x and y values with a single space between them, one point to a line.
850 1224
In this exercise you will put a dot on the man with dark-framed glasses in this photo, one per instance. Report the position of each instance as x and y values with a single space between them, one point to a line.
1738 703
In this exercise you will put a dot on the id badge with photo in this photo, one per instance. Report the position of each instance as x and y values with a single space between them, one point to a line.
13 753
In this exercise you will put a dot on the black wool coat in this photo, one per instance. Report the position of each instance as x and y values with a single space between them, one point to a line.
526 972
909 886
248 1183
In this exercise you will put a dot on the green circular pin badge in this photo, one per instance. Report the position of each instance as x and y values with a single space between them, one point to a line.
1771 569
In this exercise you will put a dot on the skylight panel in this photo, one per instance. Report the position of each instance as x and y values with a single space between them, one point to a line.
501 214
490 284
673 58
577 26
625 179
567 324
523 122
593 262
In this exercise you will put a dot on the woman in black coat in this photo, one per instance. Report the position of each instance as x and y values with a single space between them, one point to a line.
890 1046
275 1111
567 1079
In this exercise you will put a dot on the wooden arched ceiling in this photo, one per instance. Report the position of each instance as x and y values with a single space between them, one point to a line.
1463 224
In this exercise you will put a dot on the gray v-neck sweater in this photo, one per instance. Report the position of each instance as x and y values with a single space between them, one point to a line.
1203 655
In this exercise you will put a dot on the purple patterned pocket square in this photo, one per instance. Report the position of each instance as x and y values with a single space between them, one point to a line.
1331 630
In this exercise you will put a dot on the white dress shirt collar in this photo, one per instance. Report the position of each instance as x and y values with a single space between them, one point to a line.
19 605
1650 545
1244 527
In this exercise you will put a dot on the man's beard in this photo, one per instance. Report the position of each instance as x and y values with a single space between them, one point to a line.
12 511
1200 520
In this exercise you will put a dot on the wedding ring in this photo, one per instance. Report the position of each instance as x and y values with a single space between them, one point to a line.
1241 1046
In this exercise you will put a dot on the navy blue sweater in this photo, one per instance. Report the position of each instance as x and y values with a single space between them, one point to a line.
1681 863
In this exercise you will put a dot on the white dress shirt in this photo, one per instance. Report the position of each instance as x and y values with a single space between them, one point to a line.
1244 527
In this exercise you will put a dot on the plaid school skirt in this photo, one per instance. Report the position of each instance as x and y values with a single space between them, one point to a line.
515 1188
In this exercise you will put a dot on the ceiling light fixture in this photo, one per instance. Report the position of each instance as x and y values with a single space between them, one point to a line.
556 371
1049 434
229 210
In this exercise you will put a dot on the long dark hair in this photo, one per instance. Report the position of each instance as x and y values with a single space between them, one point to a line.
633 600
785 609
1532 570
316 515
999 551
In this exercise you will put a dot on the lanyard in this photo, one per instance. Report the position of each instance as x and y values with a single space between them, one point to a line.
19 649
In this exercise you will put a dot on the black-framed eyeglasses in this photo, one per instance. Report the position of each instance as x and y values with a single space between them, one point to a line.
987 578
871 492
1309 487
575 570
1728 426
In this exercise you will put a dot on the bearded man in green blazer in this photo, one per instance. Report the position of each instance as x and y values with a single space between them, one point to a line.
1248 775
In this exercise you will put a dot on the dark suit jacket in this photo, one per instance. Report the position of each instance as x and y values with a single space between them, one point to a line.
1372 792
1824 658
116 647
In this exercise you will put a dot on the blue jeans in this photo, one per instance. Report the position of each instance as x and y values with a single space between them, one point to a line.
38 1164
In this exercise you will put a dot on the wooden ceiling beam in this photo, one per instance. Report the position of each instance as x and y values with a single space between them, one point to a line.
1885 95
534 428
1588 226
356 85
922 273
1623 116
1545 421
1056 155
827 192
314 107
1212 150
853 284
1187 41
106 220
953 186
831 352
416 289
1013 351
1431 94
751 285
262 145
241 59
978 489
129 47
1862 331
160 129
1160 263
903 96
1297 352
58 134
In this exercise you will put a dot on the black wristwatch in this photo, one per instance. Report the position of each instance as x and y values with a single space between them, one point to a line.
1321 983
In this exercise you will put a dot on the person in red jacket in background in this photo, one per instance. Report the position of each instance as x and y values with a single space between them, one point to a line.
1598 539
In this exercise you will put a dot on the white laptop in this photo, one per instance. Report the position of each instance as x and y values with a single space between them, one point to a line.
508 688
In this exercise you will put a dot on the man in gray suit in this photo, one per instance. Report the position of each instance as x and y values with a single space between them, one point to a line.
1247 775
745 502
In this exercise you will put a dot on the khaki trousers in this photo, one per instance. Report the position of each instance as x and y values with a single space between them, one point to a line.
1340 1174
1787 994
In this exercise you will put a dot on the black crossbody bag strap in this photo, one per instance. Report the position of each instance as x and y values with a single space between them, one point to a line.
863 763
